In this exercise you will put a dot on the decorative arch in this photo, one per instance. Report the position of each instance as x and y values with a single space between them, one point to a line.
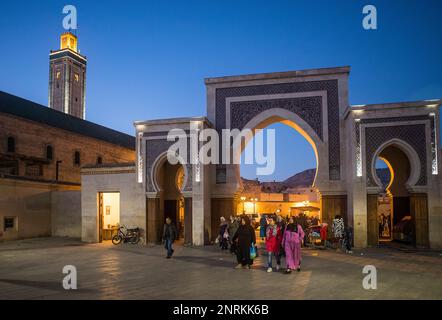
291 119
159 162
410 152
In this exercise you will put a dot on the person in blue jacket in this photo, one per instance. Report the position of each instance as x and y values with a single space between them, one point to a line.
262 227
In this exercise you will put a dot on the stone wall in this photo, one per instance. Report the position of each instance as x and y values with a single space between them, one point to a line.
30 203
31 139
66 213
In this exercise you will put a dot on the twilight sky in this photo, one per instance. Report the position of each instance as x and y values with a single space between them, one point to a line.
148 59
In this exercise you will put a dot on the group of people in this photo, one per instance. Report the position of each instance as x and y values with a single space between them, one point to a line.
282 238
302 219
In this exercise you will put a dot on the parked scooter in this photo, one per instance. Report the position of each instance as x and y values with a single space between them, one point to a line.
125 234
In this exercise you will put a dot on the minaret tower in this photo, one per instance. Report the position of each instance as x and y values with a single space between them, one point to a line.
67 78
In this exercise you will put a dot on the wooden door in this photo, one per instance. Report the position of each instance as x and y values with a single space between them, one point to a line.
372 220
100 217
170 210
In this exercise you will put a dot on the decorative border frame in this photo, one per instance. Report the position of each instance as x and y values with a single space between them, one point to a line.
329 86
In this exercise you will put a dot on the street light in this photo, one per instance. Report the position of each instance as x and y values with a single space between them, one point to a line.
243 209
254 200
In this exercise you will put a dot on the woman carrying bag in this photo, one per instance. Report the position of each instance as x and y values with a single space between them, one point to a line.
245 237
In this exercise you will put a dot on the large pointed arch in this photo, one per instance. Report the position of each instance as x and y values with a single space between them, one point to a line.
291 119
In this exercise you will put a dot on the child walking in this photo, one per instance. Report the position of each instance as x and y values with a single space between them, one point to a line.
273 243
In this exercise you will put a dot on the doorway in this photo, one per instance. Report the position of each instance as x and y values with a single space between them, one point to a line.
108 215
396 221
171 180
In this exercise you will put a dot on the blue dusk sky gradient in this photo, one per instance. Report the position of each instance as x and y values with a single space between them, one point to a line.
148 59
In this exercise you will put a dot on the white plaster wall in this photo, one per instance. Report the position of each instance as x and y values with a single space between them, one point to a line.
435 196
435 208
354 185
132 201
201 221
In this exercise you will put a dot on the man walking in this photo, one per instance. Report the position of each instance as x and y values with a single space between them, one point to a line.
169 236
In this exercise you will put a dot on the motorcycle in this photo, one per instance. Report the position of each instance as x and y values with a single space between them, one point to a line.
131 235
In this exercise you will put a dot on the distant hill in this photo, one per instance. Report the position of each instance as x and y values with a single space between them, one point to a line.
303 179
384 176
299 180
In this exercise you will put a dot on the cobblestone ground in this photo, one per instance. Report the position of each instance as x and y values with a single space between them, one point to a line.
32 269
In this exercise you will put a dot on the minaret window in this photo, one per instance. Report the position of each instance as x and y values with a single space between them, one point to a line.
11 144
49 152
77 158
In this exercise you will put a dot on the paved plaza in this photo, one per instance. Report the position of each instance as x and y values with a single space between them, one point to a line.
32 269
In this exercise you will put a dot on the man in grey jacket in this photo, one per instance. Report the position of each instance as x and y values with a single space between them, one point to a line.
169 236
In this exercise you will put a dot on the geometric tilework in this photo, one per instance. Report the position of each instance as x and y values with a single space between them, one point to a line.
307 108
330 86
413 134
153 149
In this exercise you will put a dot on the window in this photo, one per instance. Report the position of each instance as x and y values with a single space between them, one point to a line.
77 78
9 223
99 160
77 158
34 170
58 74
9 167
11 144
49 152
58 86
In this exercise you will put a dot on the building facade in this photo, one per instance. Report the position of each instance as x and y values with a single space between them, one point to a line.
41 154
346 139
257 197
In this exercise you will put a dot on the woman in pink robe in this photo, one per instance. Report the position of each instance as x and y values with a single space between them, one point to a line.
292 240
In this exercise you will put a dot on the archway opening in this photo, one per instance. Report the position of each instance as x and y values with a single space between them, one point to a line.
395 219
290 189
170 180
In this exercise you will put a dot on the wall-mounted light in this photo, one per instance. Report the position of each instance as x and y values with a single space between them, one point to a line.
140 166
358 148
195 127
434 143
